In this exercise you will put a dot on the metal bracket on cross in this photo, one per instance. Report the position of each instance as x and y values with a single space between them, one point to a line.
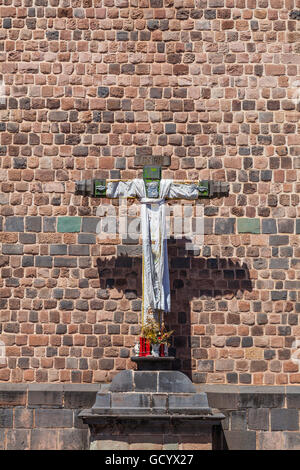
91 187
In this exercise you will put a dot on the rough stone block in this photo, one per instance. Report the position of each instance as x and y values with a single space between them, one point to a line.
224 226
122 35
240 440
12 397
291 440
27 261
58 250
206 365
258 419
197 427
44 439
145 381
142 159
279 295
110 443
23 418
284 420
103 401
238 420
223 399
2 439
27 238
122 382
86 238
286 226
174 382
293 397
103 91
33 224
72 439
43 261
79 250
53 418
6 418
129 250
159 402
262 397
52 36
269 226
130 400
17 439
14 224
43 397
49 224
278 240
170 443
271 441
65 262
12 249
146 443
279 263
89 224
79 399
181 402
58 116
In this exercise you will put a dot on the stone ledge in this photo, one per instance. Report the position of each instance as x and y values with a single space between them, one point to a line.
49 395
150 413
210 388
91 418
152 363
142 429
52 387
245 397
113 403
245 388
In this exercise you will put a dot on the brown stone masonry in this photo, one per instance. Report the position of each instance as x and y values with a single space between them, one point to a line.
46 416
97 88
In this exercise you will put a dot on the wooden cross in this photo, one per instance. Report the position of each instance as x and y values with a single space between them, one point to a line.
152 191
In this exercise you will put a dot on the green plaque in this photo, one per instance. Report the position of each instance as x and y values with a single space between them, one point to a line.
152 172
152 177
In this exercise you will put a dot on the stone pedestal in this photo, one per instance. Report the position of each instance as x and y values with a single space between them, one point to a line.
153 407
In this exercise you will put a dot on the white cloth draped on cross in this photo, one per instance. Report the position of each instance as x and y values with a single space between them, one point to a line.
156 284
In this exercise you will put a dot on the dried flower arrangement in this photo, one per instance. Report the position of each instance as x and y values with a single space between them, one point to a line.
156 333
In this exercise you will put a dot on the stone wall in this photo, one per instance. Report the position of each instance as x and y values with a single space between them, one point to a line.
257 417
140 435
45 416
97 88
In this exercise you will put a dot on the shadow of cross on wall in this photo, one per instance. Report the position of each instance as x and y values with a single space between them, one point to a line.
202 291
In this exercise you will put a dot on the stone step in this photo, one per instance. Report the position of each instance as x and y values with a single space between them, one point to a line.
164 381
